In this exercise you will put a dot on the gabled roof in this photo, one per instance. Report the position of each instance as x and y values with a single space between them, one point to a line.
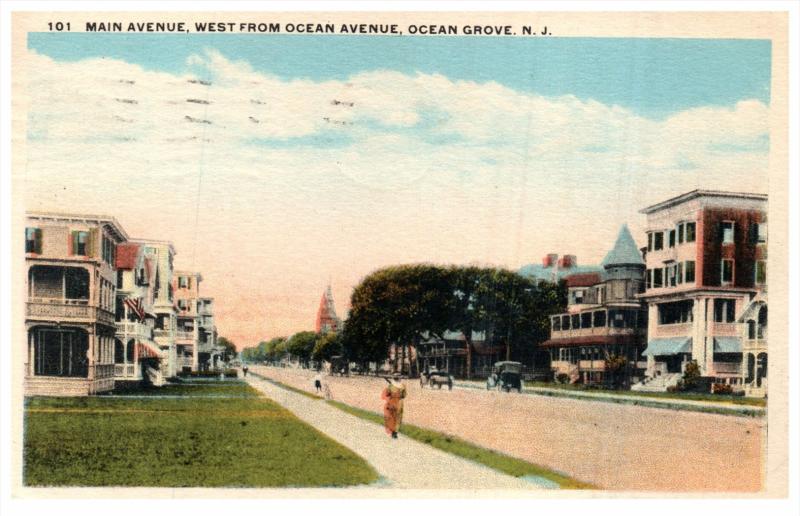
585 279
624 252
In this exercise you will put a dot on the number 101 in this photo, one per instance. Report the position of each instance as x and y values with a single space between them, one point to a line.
59 26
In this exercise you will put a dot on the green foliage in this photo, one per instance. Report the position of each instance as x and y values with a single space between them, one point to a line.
400 304
230 348
301 345
691 377
180 442
266 351
327 346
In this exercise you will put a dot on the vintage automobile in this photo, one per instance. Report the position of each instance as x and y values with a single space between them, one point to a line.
505 376
436 378
339 366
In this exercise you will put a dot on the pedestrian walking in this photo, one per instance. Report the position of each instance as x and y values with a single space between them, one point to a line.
393 396
244 370
318 382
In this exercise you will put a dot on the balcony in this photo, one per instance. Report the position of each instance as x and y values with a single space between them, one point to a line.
594 332
673 330
60 309
754 344
135 329
163 334
725 329
184 336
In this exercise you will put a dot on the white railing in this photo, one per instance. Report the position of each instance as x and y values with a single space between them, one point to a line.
125 371
66 309
184 335
135 329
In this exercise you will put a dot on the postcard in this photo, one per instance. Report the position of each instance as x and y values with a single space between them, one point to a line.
374 254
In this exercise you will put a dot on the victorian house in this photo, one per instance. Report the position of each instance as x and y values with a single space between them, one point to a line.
70 306
136 356
600 338
187 331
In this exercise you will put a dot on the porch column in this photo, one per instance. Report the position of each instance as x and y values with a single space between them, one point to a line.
91 334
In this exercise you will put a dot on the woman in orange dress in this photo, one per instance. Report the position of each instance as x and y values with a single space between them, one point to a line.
393 396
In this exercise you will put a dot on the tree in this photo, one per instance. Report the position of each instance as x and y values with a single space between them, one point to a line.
230 351
301 345
326 347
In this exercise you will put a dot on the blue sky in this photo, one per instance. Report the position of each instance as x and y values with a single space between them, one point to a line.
651 77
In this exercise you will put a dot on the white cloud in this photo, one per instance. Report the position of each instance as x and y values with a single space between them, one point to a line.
419 167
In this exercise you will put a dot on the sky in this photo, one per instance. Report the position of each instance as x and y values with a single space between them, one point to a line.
277 164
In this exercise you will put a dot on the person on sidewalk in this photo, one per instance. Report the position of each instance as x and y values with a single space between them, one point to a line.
393 396
244 370
318 383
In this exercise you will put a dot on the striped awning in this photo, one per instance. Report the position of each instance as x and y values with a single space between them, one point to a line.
671 346
147 350
727 345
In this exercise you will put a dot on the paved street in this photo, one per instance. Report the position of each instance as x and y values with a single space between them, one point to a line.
613 446
403 463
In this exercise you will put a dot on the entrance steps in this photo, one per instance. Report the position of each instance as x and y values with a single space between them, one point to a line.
658 383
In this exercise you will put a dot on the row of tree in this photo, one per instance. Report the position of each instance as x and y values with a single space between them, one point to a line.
303 347
400 305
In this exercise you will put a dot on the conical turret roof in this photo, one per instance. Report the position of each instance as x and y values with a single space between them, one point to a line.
624 251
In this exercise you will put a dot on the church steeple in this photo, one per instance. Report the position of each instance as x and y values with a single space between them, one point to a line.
327 320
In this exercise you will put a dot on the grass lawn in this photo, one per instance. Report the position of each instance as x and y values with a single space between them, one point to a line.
242 440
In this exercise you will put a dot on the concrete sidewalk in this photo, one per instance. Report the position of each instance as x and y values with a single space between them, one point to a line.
402 462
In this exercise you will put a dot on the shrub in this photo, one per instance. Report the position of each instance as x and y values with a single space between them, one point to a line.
229 373
562 378
721 388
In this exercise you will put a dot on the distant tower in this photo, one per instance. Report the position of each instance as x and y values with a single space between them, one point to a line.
327 321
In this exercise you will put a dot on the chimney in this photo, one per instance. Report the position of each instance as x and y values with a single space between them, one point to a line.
567 261
549 260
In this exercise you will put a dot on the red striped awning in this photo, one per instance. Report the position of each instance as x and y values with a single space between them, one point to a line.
147 350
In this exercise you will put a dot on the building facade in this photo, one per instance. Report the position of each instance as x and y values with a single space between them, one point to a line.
705 286
600 339
71 303
210 356
162 255
136 355
187 331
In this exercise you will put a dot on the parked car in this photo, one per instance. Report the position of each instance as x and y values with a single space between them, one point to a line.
505 376
435 378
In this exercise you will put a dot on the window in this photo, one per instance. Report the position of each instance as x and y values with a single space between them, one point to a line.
690 231
677 312
578 296
724 310
679 273
80 243
761 233
690 271
33 240
565 322
680 232
658 278
658 241
727 232
751 330
727 272
557 323
599 319
672 238
649 241
671 280
761 272
648 278
586 320
183 282
576 322
119 278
